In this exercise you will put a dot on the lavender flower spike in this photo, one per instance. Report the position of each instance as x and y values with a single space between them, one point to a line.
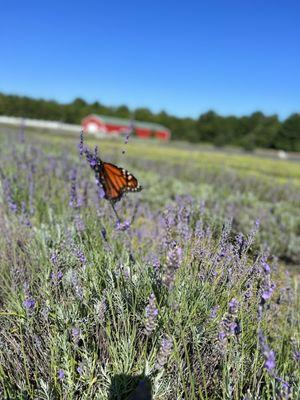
151 315
174 257
269 354
164 352
80 144
73 191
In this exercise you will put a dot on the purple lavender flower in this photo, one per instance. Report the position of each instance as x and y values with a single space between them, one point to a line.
240 239
156 263
233 305
91 158
104 233
56 277
266 266
296 356
122 226
76 332
101 192
269 360
230 326
79 369
174 258
151 315
285 390
13 206
268 354
73 190
164 352
80 145
77 285
79 224
214 311
253 233
29 304
24 215
100 308
267 292
81 257
8 195
61 374
267 286
183 223
54 258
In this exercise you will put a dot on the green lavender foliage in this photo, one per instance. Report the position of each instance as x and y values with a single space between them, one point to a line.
75 288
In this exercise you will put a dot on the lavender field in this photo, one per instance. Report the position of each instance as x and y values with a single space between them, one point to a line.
192 295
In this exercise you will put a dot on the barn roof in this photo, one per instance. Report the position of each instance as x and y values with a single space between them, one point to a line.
126 122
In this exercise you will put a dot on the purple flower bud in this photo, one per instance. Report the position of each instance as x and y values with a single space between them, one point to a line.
296 356
270 360
61 374
91 158
79 369
267 293
213 312
233 305
81 257
54 258
80 144
269 354
101 192
29 304
104 233
56 277
75 334
122 226
266 267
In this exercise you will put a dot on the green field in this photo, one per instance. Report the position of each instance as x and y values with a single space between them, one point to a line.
194 291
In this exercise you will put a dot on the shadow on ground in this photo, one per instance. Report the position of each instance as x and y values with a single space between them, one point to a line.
127 387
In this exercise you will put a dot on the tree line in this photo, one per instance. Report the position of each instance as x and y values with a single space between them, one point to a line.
249 132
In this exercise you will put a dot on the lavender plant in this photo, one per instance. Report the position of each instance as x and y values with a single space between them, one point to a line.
188 292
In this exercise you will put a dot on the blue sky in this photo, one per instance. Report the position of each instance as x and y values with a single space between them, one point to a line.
184 57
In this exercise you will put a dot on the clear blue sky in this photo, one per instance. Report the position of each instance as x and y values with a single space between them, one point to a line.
185 57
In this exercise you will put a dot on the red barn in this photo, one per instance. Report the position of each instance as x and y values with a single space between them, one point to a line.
111 125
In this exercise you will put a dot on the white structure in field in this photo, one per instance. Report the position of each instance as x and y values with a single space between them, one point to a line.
282 155
37 123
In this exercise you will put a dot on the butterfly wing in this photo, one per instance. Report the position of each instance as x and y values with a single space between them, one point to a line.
116 181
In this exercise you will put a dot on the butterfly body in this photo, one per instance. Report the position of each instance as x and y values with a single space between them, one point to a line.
116 181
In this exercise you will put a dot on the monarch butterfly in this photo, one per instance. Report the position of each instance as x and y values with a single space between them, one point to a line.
116 181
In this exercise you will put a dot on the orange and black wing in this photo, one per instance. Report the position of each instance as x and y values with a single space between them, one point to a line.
116 181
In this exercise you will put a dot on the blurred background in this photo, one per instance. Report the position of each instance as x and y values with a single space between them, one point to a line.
220 72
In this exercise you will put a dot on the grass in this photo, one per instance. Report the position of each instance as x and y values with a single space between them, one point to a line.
175 302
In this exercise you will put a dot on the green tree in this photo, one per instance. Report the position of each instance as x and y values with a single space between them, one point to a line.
288 137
